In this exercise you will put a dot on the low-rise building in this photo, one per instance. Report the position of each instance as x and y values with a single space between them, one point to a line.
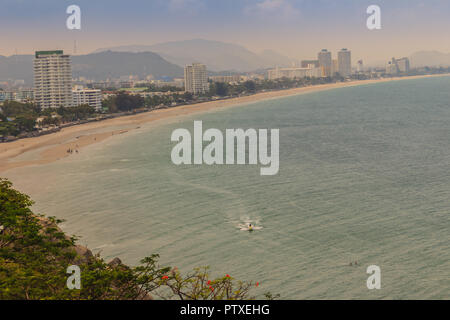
25 95
226 79
7 95
19 96
310 63
292 73
92 97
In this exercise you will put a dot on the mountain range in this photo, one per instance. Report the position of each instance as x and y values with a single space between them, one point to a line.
96 66
430 59
216 55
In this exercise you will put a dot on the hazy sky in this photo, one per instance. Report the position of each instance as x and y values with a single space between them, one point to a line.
296 28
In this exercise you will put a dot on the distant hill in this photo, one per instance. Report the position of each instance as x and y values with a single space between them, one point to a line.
430 59
218 56
115 64
18 67
97 66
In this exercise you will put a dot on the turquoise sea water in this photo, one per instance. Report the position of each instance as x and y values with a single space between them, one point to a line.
364 176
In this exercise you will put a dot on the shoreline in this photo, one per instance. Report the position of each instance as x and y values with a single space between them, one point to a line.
55 145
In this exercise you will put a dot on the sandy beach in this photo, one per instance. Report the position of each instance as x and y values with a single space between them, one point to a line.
54 146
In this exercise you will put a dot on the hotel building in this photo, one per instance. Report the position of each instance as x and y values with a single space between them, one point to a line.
293 73
345 63
52 79
196 78
20 96
396 66
91 97
403 65
325 62
226 79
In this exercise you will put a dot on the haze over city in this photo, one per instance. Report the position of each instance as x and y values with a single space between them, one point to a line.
296 29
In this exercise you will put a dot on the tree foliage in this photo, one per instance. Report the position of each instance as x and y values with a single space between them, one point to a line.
80 112
127 102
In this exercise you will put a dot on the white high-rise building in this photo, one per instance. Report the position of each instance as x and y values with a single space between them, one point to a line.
396 66
52 79
196 78
403 65
325 62
345 63
91 97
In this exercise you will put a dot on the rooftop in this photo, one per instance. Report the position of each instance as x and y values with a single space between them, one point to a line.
46 53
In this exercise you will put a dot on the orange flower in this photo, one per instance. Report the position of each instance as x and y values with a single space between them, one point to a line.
228 276
212 289
165 277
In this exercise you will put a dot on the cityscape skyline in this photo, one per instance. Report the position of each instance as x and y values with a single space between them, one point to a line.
256 25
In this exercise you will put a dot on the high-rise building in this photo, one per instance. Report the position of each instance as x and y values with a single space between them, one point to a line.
345 62
188 79
91 97
196 78
398 66
392 67
52 79
325 62
403 65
